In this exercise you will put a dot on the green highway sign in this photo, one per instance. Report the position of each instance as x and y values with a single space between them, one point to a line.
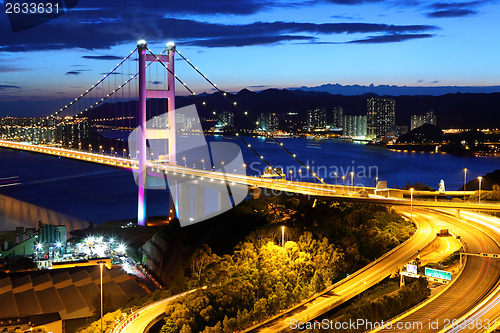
436 273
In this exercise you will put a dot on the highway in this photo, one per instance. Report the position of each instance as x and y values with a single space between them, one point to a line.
358 281
479 278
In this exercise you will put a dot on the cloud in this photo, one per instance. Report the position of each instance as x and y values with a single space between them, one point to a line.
246 41
8 86
73 73
156 82
122 24
452 13
4 69
103 57
389 38
455 9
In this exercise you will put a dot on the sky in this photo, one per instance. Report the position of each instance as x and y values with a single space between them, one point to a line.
254 44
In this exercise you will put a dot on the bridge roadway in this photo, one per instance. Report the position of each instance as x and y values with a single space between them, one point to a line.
344 193
479 279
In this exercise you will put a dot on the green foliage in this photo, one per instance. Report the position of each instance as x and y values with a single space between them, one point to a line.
418 187
109 322
387 306
169 327
107 305
262 277
493 195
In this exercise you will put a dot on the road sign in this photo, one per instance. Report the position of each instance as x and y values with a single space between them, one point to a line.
411 268
436 273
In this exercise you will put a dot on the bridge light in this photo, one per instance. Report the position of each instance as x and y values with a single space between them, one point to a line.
141 42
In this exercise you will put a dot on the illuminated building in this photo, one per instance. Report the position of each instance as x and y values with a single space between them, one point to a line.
354 126
338 117
418 120
316 119
381 116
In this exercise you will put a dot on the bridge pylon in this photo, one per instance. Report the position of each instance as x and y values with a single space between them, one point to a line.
146 133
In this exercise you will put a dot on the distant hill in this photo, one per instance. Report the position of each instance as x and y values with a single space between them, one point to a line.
338 89
452 110
423 134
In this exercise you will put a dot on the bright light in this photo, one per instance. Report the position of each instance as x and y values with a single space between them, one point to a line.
170 44
121 248
141 42
111 240
58 244
99 239
39 246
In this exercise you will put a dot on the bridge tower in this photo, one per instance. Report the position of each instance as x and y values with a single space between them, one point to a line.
149 133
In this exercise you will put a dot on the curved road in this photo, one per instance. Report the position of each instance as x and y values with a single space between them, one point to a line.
479 278
359 281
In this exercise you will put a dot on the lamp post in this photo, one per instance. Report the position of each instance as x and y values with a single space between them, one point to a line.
352 180
300 175
465 181
185 163
101 263
283 236
480 178
411 201
203 161
291 175
335 174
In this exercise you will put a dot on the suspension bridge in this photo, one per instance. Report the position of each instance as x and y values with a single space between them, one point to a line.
139 104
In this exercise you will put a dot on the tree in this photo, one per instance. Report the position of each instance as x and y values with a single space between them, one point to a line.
107 304
169 327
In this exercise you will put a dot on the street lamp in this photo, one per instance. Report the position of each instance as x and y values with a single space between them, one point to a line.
352 180
335 174
291 179
411 201
185 163
480 178
203 161
283 236
100 266
300 174
465 181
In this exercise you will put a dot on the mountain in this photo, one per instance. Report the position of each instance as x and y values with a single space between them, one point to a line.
452 110
399 90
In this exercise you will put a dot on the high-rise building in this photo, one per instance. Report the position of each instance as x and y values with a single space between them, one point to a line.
354 126
338 115
268 122
418 120
381 116
227 119
316 119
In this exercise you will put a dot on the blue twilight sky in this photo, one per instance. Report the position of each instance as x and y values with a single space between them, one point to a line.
254 44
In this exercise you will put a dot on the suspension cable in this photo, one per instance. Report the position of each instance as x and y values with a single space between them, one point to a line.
215 113
245 113
111 93
95 85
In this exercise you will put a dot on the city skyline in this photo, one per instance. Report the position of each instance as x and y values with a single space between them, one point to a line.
255 45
